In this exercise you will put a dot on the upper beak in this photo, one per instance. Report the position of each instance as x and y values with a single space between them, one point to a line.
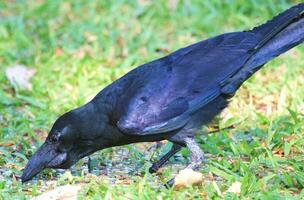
46 156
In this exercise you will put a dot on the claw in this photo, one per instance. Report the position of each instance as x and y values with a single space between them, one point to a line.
153 168
169 183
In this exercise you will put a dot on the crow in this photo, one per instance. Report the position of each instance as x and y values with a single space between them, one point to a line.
169 98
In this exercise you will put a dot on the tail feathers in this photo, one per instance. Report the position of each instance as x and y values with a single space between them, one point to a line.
280 34
277 21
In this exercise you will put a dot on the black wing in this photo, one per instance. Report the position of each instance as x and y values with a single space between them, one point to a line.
164 93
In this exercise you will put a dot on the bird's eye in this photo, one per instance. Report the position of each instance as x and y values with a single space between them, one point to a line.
54 138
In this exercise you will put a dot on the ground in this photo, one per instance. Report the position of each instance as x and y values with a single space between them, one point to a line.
78 47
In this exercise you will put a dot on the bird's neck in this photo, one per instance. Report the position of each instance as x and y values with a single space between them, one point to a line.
90 120
93 122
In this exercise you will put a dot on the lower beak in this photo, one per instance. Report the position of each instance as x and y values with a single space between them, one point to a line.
46 156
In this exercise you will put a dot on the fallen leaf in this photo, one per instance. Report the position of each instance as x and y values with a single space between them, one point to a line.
278 152
20 75
66 192
143 2
7 143
172 4
187 177
90 37
58 52
235 188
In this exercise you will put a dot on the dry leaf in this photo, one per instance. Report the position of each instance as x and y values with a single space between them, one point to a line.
172 4
20 75
187 177
143 2
235 188
7 143
58 51
66 192
90 37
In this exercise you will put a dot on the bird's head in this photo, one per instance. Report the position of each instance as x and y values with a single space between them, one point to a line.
61 149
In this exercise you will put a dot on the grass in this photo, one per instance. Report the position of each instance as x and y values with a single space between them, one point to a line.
78 47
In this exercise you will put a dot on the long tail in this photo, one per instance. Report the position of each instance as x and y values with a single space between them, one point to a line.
280 34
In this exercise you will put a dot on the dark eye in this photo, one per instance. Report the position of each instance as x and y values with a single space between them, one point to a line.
54 138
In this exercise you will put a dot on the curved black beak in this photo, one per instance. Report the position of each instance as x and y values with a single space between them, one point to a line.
46 156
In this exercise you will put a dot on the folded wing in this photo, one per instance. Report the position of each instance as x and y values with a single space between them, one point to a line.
166 92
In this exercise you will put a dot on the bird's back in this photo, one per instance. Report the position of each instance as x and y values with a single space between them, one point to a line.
161 96
183 80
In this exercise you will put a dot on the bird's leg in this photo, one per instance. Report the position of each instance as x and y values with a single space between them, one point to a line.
154 147
89 164
196 156
155 166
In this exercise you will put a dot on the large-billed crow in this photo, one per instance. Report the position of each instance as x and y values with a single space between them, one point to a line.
169 98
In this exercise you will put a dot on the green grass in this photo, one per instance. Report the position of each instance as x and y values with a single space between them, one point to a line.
79 47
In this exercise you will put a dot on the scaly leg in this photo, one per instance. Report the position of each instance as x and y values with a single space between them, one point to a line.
89 164
197 157
155 166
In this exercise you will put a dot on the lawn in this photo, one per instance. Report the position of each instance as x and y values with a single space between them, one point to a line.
77 47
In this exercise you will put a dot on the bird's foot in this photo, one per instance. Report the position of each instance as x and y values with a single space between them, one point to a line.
154 168
197 158
170 183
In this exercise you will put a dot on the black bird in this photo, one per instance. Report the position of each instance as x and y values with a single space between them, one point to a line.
169 98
